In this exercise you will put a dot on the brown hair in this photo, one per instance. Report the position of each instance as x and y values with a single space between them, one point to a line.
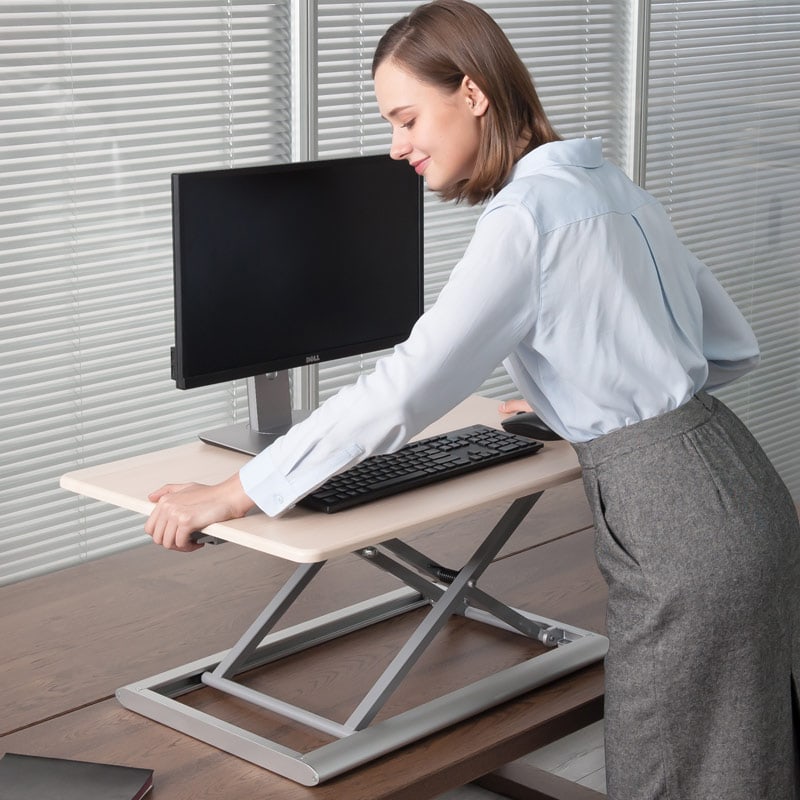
441 42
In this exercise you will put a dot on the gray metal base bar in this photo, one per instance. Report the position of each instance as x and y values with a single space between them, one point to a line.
359 739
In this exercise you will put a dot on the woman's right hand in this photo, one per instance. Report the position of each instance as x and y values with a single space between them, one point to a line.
183 508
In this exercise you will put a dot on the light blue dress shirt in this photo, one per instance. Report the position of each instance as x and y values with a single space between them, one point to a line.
576 280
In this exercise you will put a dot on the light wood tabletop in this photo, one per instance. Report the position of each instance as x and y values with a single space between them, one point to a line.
304 536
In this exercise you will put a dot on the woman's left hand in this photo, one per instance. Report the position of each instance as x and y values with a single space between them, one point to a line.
513 407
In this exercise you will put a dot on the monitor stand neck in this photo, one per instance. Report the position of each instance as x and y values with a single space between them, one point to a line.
269 400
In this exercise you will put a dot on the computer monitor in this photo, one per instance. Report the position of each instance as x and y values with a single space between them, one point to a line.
285 265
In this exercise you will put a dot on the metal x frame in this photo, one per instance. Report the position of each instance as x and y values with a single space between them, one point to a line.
357 740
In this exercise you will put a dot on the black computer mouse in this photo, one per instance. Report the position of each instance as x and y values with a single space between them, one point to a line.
528 423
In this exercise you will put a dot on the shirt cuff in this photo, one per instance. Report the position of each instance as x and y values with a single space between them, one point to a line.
266 486
274 493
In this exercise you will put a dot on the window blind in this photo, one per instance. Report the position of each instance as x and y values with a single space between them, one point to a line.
101 101
723 155
578 55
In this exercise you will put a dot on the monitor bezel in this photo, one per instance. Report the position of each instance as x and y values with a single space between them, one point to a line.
299 359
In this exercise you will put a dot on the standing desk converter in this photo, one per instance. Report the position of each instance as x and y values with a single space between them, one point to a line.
375 533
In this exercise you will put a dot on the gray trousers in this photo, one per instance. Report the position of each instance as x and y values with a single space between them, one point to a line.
698 540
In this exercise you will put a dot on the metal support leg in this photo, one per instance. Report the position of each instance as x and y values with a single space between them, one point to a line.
473 597
449 602
264 622
419 560
476 597
427 589
512 618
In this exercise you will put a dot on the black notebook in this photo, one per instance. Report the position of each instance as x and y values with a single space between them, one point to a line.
40 778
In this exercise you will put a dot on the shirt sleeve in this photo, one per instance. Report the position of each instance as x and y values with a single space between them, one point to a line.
729 344
485 309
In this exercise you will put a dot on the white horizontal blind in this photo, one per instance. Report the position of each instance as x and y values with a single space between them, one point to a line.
723 154
578 55
99 102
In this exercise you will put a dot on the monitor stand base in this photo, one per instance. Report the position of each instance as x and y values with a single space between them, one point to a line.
243 438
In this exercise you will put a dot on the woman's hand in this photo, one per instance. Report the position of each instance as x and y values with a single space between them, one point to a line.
513 407
183 508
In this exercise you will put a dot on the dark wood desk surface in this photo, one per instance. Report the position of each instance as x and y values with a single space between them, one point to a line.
77 635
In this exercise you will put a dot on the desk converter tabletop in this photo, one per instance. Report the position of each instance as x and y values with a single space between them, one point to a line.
305 536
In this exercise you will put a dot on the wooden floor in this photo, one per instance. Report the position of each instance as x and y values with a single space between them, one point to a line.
578 757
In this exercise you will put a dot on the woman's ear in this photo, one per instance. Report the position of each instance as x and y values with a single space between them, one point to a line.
476 100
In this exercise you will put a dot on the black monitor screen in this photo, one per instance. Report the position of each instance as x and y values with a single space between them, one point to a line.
286 265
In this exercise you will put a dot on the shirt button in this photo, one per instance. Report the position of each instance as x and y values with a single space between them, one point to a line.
278 498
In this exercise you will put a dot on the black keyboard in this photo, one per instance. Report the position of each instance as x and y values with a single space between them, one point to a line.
418 463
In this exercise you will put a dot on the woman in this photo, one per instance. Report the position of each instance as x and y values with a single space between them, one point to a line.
613 331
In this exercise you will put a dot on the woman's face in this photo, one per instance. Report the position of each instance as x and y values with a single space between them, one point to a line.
437 132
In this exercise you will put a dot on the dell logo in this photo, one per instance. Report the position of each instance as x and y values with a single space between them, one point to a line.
312 359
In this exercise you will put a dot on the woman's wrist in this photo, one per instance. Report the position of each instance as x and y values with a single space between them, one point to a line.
234 493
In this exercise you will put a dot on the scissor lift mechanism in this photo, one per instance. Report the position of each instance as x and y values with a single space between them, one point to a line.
357 740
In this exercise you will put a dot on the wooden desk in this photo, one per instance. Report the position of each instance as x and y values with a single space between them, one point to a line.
382 721
72 637
84 630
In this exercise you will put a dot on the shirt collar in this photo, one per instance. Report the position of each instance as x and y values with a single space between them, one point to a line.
586 153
